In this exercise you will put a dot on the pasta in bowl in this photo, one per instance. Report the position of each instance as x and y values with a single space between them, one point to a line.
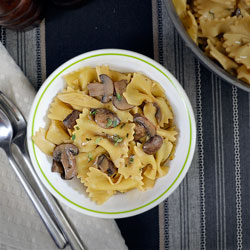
112 133
218 33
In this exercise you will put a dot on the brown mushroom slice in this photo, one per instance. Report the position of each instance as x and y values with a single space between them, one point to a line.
108 88
152 145
148 125
62 147
65 154
57 167
158 113
106 165
96 89
69 164
140 132
70 121
119 101
106 118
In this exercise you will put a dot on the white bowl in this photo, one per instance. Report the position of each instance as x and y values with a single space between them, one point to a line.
72 193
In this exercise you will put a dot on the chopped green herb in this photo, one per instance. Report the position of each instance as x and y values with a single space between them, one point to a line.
118 97
126 165
131 158
140 169
127 135
122 126
90 157
117 139
77 128
88 139
110 122
98 140
92 112
115 123
73 137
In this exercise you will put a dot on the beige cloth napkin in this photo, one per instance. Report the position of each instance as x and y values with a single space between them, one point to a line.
21 227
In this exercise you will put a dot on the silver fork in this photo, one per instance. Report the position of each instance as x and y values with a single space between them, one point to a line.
19 125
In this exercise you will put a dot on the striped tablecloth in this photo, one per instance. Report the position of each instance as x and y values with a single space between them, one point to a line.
210 209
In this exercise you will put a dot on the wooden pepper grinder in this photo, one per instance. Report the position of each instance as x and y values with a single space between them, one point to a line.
20 14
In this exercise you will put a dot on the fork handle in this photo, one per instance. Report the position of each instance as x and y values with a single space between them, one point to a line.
54 231
64 224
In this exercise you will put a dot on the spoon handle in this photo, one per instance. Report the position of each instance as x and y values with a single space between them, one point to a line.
54 231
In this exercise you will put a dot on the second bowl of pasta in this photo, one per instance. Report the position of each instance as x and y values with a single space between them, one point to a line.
218 34
111 133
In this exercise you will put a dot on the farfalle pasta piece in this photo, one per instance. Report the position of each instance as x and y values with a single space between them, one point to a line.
214 9
214 27
85 160
226 63
133 166
103 69
241 26
148 161
147 183
190 25
157 90
162 155
165 110
232 41
59 110
243 73
42 143
139 90
169 134
56 133
117 76
79 99
97 180
99 196
87 75
241 55
80 78
149 110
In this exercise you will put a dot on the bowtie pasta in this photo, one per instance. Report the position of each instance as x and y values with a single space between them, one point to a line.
222 29
112 130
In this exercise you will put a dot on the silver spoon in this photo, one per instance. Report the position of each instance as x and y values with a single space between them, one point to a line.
19 125
6 135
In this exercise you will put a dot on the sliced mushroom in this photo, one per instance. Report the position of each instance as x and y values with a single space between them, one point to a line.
102 90
108 88
106 165
70 121
119 100
140 132
106 118
143 121
152 145
158 113
65 154
57 167
69 164
96 89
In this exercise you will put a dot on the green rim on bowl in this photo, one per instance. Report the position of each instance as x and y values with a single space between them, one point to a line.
131 210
